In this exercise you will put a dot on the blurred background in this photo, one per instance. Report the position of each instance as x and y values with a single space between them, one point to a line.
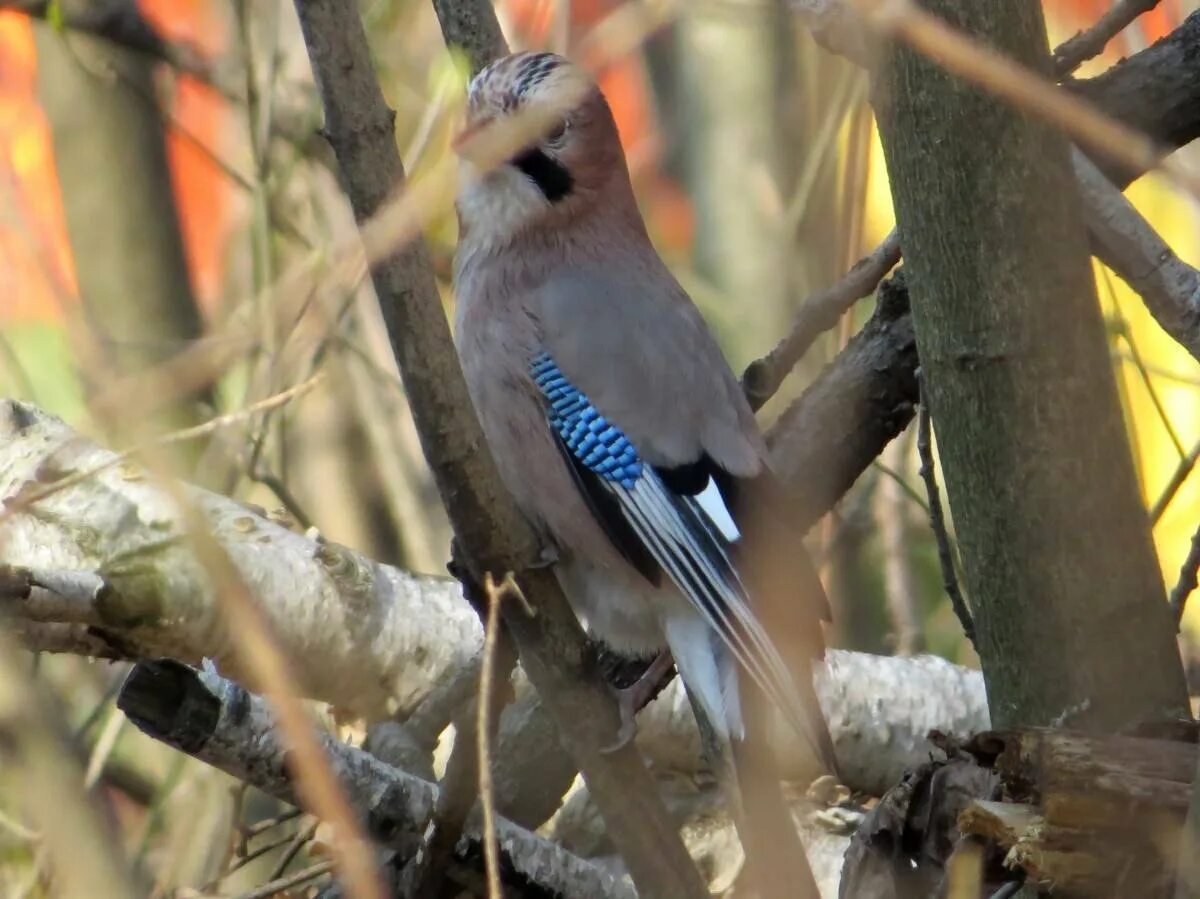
180 206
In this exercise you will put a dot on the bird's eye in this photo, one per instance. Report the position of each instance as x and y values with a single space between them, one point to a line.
555 137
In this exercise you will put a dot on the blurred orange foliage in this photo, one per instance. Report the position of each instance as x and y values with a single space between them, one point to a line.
36 271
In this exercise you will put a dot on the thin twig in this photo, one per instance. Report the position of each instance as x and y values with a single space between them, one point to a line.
818 314
22 503
900 590
1187 579
459 786
1121 325
302 837
292 880
1085 45
250 831
937 522
123 24
483 726
1182 470
17 829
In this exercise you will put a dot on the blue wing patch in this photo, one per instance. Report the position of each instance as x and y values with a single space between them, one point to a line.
600 446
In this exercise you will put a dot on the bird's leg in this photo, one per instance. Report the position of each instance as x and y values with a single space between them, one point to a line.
635 697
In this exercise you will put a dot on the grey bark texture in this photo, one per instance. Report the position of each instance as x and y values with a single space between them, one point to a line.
1068 601
220 723
106 573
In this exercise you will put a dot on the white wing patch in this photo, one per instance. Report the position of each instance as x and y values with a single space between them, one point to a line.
714 507
689 544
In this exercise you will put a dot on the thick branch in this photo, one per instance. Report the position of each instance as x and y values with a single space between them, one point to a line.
218 722
1091 43
826 438
367 631
1130 246
1156 91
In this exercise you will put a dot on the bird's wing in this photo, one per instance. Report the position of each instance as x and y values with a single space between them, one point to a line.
633 342
689 532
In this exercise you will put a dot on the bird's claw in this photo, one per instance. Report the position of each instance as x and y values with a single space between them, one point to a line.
636 696
627 706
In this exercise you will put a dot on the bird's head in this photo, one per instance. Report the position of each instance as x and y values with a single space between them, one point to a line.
539 148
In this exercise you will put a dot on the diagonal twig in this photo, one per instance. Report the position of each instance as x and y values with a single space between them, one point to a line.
817 314
937 521
1085 45
1029 91
1187 579
124 25
1130 246
496 594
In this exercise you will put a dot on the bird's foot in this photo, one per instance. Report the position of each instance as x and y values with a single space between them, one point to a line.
635 697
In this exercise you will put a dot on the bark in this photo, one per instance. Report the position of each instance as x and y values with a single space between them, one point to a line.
854 408
218 722
111 163
1090 816
470 26
1157 90
107 573
1068 601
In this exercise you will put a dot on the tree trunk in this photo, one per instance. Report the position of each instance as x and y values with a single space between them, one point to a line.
111 162
1067 596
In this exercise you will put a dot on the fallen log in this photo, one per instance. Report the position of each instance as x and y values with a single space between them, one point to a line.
1087 815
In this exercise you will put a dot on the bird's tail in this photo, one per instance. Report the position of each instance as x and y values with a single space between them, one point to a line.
736 713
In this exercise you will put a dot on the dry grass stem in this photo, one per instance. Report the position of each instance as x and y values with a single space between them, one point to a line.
496 594
204 429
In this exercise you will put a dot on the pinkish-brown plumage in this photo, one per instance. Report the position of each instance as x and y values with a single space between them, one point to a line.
554 262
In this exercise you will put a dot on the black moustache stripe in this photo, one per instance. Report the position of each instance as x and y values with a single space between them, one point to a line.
551 176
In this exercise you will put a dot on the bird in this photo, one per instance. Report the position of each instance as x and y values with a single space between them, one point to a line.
613 417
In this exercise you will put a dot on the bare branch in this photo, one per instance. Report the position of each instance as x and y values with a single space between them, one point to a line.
1085 45
825 439
1156 91
471 26
379 640
1130 246
124 25
817 314
1187 581
937 521
220 723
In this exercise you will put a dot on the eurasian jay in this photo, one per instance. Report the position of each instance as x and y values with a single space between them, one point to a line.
614 419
